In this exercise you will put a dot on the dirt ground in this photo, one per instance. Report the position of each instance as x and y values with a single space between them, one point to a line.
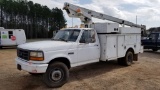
142 75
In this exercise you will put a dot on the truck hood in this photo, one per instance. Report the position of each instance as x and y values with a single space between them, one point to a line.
46 45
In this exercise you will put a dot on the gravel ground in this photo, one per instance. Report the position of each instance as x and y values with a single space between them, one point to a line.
142 75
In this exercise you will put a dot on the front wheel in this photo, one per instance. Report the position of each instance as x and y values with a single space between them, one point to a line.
128 60
57 75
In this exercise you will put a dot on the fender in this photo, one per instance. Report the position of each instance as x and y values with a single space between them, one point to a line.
56 54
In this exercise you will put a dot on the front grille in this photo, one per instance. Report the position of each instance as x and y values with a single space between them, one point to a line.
24 54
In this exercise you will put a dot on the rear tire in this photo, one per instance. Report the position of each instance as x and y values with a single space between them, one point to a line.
128 59
57 75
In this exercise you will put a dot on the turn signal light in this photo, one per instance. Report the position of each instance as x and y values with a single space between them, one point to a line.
37 58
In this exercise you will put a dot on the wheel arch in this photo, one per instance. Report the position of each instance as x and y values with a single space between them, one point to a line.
135 56
63 60
131 49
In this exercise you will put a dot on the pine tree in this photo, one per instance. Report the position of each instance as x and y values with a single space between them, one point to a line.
37 20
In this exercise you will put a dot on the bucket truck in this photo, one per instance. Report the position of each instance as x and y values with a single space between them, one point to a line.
73 47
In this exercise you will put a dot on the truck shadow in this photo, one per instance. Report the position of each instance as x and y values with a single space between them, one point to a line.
150 51
76 74
151 54
93 70
9 47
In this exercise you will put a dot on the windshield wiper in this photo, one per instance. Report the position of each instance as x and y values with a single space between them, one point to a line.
55 39
62 39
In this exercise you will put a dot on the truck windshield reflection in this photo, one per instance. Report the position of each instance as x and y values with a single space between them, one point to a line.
67 35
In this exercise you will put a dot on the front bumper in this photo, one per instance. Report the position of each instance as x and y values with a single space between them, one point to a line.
31 67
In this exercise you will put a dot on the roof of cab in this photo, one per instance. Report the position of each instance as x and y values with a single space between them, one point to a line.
79 28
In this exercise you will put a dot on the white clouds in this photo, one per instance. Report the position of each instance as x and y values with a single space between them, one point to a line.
135 1
148 11
92 7
150 14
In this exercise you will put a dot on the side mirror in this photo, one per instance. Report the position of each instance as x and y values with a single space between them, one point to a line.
86 41
93 40
150 38
82 41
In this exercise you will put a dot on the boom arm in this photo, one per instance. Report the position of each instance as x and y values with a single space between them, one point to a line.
86 16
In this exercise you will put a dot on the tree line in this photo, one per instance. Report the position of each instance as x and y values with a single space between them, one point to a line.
37 20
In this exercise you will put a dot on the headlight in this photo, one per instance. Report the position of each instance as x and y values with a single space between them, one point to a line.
36 55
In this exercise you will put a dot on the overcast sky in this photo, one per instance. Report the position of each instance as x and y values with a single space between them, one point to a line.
147 11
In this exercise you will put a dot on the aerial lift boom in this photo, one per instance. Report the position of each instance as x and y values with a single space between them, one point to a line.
86 16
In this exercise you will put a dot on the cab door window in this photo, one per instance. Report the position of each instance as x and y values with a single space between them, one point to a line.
153 37
92 36
88 36
158 36
84 37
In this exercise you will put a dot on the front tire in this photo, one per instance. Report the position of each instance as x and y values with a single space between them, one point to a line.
128 59
57 75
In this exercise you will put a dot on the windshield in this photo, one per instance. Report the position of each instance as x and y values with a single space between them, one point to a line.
67 35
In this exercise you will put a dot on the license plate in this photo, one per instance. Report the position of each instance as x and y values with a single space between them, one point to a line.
19 67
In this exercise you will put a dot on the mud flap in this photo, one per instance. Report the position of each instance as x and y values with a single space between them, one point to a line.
135 57
19 67
141 49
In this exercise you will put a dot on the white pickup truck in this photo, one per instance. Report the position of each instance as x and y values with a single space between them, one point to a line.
78 46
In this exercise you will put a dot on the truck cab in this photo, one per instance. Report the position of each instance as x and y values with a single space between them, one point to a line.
152 41
79 46
69 48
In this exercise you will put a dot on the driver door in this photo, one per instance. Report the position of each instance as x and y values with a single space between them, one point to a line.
88 48
152 42
83 48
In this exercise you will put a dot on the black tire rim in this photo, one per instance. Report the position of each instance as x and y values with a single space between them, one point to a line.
56 75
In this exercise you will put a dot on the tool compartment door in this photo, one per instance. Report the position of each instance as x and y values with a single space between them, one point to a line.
121 46
111 51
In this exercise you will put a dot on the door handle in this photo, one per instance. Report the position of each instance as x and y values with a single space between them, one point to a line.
96 45
82 44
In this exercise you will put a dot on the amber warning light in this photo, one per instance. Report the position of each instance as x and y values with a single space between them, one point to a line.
78 10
